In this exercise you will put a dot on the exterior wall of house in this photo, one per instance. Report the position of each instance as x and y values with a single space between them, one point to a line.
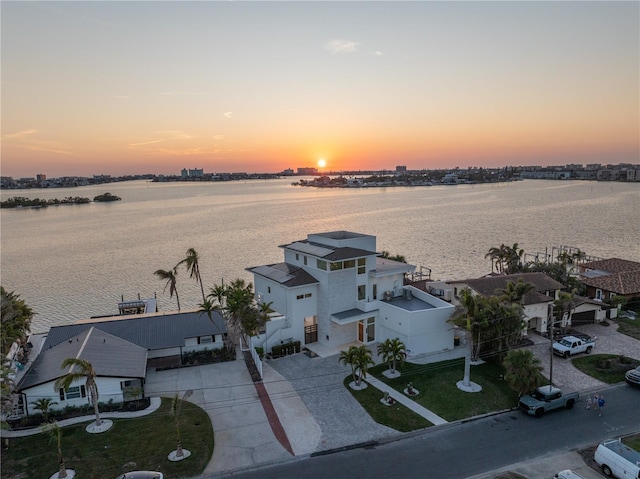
108 389
191 344
163 353
422 331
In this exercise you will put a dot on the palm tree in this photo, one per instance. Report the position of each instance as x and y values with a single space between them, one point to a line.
522 371
392 351
15 320
176 407
170 277
515 292
208 307
362 360
496 254
348 358
83 370
44 405
397 257
55 436
513 258
193 268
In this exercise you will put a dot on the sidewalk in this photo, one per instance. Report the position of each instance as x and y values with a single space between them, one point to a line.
154 405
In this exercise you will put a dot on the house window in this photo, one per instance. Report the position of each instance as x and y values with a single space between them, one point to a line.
336 266
269 289
307 295
350 263
305 260
362 268
599 294
205 339
300 296
74 392
321 264
362 292
297 257
375 291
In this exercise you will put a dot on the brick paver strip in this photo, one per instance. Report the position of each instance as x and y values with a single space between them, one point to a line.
272 416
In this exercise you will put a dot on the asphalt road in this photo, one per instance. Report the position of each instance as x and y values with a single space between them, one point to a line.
465 449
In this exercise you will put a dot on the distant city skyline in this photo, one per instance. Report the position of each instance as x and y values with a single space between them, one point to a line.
125 88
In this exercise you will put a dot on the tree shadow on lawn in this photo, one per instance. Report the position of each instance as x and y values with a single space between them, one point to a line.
439 393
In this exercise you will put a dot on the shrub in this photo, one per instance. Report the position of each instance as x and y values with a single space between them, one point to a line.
281 350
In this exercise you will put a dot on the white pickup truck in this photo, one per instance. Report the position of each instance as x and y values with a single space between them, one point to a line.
570 345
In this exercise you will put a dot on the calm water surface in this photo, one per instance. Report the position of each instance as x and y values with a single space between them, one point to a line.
75 261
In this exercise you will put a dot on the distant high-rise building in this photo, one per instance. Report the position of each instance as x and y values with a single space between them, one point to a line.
401 168
307 171
41 177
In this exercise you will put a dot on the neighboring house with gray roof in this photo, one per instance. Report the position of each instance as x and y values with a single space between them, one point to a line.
120 349
333 290
536 302
611 277
119 365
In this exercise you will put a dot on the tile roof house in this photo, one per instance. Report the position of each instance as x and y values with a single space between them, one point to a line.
333 290
607 278
120 349
536 302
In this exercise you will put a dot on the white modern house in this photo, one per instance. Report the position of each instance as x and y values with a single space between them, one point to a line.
333 290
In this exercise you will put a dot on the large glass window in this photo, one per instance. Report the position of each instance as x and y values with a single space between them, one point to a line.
74 392
362 265
362 292
375 291
336 266
350 263
321 264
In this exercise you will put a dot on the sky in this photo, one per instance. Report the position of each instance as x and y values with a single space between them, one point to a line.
120 87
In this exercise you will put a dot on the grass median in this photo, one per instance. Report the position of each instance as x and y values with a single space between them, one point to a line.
131 444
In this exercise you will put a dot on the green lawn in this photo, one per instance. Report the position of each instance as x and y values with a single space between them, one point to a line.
608 368
630 327
397 416
438 392
140 443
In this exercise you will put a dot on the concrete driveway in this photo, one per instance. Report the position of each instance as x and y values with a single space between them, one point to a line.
242 433
565 375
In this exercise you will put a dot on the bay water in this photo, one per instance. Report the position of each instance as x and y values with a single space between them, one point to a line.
72 262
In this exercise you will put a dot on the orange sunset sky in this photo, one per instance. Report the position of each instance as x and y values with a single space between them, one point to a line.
153 87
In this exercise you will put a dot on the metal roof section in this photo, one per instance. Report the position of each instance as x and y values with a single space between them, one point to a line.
385 267
285 274
109 355
150 331
351 316
341 235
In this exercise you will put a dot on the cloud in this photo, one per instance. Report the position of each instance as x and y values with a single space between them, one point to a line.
218 137
341 46
51 150
228 114
161 137
21 134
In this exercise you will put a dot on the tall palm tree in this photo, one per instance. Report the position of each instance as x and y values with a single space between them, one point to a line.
362 360
496 254
392 352
522 371
515 292
170 277
348 358
55 436
193 267
80 369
